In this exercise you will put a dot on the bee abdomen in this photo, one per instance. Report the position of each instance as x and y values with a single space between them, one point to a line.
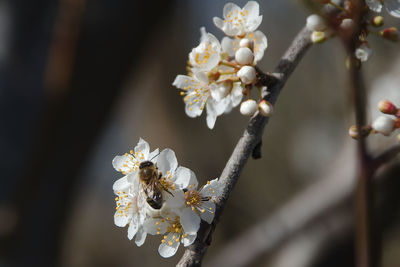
154 204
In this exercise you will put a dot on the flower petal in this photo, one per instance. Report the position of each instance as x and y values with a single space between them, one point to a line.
143 149
190 221
189 239
153 155
209 211
176 201
140 237
169 247
122 184
133 227
374 5
155 226
227 46
167 162
229 9
120 220
124 163
253 9
393 7
260 44
185 177
252 24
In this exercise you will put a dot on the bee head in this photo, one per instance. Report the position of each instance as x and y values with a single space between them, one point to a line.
145 164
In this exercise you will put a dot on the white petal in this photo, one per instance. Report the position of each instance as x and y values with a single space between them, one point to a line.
209 211
211 114
140 237
155 226
253 24
201 76
176 201
393 7
120 220
153 155
374 5
260 44
167 161
121 184
182 81
185 177
143 147
190 221
253 8
189 239
212 189
123 163
227 46
228 8
169 247
195 109
236 94
133 227
219 23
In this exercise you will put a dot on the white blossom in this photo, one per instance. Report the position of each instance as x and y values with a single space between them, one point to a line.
244 56
247 74
248 107
258 39
266 109
363 52
239 21
392 6
316 23
206 55
347 24
383 125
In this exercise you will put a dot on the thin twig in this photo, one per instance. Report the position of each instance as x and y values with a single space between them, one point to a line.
244 148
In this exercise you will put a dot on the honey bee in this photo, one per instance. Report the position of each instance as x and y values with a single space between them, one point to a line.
152 186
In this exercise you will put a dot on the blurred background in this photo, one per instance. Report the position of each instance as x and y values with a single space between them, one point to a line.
82 80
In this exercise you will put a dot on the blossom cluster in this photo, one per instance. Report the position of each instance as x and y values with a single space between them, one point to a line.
220 73
384 125
155 177
343 21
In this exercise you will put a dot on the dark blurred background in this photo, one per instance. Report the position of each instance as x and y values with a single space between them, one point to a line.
82 80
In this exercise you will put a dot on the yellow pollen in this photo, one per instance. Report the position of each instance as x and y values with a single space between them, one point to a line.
157 223
170 243
131 151
158 233
203 210
177 240
162 241
208 182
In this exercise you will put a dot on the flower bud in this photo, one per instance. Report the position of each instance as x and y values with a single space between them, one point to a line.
347 24
391 34
353 132
247 74
248 107
398 137
363 52
317 37
246 43
387 107
377 21
315 23
383 125
244 56
266 109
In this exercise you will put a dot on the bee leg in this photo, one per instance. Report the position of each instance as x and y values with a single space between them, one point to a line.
165 189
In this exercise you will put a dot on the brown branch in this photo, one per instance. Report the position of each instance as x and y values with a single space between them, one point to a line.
244 148
386 156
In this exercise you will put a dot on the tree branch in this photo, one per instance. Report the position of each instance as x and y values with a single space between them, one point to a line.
244 148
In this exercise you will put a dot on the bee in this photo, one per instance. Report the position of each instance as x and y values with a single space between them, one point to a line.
152 186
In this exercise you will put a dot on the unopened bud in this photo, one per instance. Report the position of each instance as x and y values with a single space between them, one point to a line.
387 107
247 74
363 52
398 137
347 24
391 34
383 125
365 131
244 56
317 37
315 23
246 43
353 132
248 107
266 109
377 21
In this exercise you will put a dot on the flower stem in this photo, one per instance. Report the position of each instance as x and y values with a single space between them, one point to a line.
337 6
229 64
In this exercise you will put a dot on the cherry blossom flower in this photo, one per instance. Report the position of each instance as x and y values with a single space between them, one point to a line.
239 21
174 232
392 6
257 38
363 52
129 162
206 55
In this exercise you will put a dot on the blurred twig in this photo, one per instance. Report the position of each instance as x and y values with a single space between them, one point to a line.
244 148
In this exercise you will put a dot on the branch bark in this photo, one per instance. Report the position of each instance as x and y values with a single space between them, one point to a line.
244 148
